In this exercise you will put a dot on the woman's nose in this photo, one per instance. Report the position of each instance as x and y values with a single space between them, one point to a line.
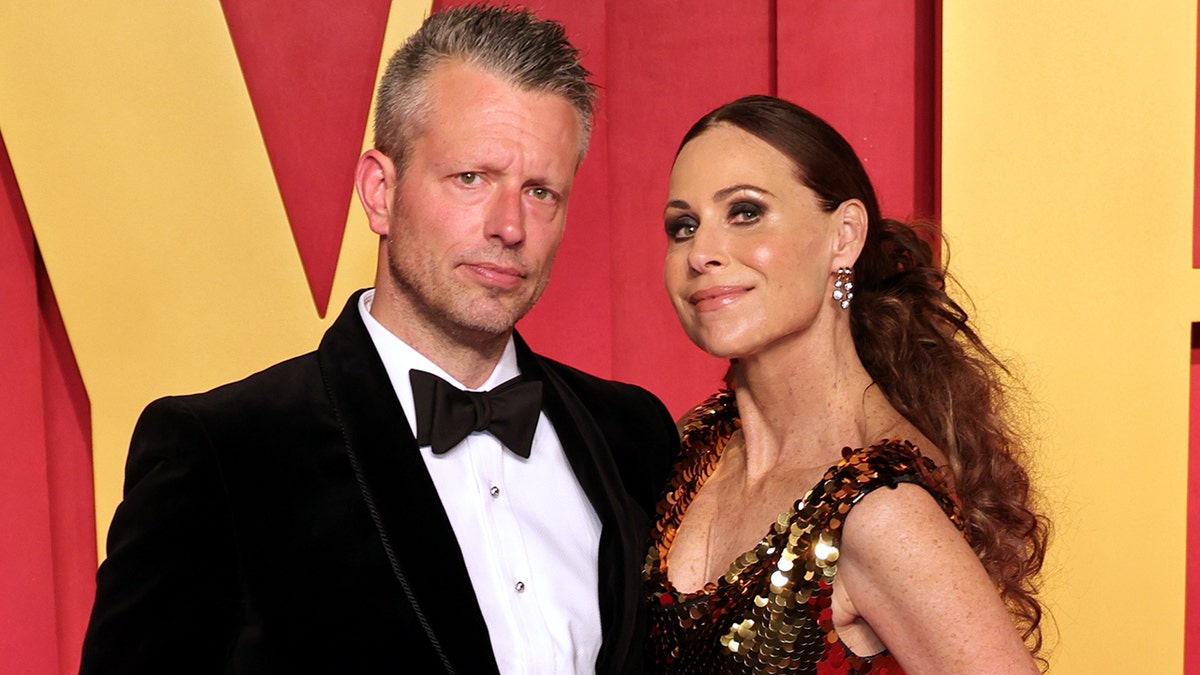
708 250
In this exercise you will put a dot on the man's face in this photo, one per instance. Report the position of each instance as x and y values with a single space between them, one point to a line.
479 212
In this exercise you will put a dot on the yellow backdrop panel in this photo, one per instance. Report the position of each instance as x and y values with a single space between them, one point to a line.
1067 202
152 198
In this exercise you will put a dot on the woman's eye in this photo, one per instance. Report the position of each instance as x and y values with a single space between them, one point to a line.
680 229
468 178
745 212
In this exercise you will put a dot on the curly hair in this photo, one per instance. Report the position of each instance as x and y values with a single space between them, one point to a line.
917 344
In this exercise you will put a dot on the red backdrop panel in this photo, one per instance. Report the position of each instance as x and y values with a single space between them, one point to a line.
867 67
47 514
573 321
310 70
69 478
670 63
575 316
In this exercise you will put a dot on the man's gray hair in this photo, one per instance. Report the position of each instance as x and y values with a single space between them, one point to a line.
512 44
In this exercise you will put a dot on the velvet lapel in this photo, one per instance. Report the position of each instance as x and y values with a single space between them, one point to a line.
404 503
621 538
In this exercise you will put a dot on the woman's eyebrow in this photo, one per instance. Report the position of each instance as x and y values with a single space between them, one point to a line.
721 194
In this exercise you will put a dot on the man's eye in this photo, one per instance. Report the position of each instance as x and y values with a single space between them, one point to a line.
541 194
468 178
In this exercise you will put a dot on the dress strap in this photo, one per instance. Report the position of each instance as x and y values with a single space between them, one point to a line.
886 464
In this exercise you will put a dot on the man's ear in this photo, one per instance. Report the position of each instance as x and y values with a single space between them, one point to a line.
850 232
374 180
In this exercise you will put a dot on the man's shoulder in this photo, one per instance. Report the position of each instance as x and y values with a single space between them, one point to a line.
277 387
280 407
298 378
635 424
611 403
588 386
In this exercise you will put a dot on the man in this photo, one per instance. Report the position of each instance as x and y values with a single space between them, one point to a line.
292 522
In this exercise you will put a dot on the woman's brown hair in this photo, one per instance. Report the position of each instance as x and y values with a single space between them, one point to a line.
917 344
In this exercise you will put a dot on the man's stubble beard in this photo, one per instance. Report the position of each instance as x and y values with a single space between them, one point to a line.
448 307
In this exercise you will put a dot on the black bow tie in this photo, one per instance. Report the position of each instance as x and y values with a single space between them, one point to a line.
446 414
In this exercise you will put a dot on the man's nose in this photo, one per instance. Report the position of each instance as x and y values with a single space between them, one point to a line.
506 218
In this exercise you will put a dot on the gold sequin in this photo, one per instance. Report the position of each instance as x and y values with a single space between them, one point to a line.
771 610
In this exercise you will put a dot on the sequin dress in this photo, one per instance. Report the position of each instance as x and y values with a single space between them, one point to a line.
771 611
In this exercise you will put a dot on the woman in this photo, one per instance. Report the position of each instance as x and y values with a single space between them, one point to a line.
850 370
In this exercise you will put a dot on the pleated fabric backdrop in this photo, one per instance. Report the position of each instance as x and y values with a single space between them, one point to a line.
868 67
47 516
660 67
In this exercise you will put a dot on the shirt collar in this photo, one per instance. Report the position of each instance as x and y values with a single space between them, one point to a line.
399 358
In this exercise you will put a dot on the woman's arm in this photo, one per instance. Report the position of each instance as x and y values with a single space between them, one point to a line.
908 573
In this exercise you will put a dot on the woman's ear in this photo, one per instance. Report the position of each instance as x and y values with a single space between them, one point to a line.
374 180
850 233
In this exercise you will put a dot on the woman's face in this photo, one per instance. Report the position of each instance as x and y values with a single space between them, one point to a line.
750 252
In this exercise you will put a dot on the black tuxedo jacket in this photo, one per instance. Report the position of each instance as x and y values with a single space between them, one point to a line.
286 524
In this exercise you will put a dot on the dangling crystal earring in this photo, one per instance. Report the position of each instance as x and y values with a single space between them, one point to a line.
843 287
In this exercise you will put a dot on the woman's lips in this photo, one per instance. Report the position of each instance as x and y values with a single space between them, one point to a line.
710 299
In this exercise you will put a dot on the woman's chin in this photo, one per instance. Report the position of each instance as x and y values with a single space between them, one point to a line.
722 348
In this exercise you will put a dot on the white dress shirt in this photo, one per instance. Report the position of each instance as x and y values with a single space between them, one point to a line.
527 532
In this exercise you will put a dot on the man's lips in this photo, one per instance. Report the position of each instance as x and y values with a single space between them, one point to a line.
709 299
495 274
